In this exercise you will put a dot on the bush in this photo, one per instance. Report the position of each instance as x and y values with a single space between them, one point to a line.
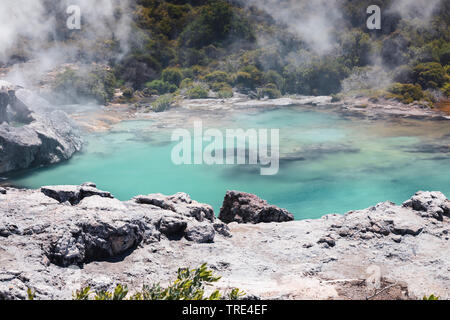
406 93
446 90
275 78
189 285
161 87
162 103
218 86
225 93
217 76
128 93
243 80
74 86
172 76
197 92
429 75
270 91
186 83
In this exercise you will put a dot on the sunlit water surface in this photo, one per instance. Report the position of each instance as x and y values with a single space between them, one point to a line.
329 164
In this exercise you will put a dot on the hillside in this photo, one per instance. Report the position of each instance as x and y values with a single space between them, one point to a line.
268 48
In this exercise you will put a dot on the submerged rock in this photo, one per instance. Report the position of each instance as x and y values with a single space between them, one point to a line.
244 207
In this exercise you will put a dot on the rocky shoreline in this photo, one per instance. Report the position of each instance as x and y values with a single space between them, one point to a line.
58 238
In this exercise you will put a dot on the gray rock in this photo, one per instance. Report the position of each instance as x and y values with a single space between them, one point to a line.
2 190
244 207
179 203
222 228
200 233
89 184
433 203
134 243
43 137
172 226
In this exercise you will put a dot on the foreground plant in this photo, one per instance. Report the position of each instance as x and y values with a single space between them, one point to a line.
189 285
432 297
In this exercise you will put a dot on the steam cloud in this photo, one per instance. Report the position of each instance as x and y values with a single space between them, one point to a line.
313 21
35 28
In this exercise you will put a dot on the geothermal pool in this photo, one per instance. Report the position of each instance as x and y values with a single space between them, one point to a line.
329 163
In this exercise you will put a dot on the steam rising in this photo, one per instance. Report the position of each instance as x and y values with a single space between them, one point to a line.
421 10
37 30
313 21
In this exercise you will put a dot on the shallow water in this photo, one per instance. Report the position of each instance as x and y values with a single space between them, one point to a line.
329 164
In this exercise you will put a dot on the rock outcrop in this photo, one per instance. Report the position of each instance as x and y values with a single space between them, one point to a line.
433 204
44 240
32 134
244 207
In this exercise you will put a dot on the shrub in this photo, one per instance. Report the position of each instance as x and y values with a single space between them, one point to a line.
429 75
189 285
186 83
197 92
162 103
74 86
243 80
225 93
406 93
275 78
270 91
446 90
161 87
217 76
218 86
172 76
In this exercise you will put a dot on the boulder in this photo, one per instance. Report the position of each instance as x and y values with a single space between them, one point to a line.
244 207
37 137
172 226
92 239
430 203
200 233
179 203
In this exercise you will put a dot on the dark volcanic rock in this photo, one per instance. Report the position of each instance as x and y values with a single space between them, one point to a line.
244 207
73 194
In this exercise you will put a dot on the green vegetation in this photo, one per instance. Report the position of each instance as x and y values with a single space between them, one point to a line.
446 90
97 84
160 87
229 44
163 103
269 91
431 298
189 285
197 92
406 93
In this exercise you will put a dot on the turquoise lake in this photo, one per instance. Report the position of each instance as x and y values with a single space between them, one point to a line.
329 163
